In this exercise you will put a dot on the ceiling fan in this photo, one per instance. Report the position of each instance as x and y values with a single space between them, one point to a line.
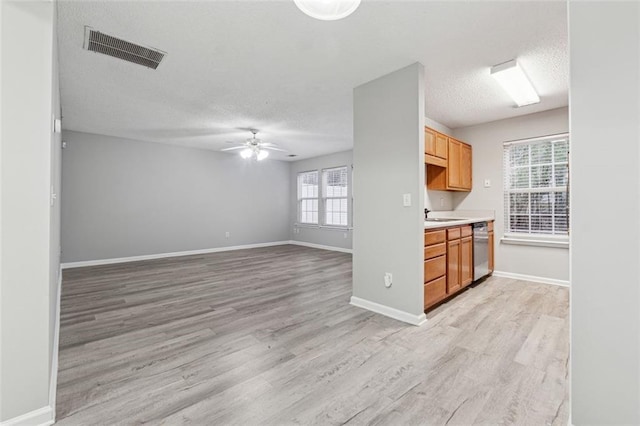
255 148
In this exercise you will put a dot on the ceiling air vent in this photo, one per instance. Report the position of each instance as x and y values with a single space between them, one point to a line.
96 41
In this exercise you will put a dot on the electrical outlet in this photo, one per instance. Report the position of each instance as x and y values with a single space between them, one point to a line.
388 279
227 234
344 235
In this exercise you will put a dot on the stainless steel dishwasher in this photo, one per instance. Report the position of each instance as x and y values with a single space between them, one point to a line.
480 250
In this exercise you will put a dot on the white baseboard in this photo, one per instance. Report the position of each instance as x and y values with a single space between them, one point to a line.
53 379
320 246
40 417
389 312
533 278
68 265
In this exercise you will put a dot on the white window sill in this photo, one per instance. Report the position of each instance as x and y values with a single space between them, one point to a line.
536 241
327 227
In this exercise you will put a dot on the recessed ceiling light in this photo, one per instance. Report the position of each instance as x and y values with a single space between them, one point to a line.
328 10
515 82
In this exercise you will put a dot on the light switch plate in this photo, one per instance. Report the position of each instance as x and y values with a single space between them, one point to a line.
406 200
487 183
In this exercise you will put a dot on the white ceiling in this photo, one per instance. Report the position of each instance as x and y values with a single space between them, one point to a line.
264 64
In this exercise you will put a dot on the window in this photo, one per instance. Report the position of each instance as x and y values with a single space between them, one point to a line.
308 197
334 196
325 205
536 180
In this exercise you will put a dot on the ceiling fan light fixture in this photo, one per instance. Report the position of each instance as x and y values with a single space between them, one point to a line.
246 153
262 154
328 10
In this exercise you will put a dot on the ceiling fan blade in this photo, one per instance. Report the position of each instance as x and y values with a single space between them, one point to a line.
273 149
232 148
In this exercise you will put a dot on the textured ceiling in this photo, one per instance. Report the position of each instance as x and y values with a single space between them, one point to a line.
231 65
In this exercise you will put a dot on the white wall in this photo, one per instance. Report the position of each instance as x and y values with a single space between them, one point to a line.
388 158
604 41
332 237
127 198
487 140
25 225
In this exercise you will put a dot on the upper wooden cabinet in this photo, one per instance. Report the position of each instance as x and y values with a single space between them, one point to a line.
448 167
465 166
435 147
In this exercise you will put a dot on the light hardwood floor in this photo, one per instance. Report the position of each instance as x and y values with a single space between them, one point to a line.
266 336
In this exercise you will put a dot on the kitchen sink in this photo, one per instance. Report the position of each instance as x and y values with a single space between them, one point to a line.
442 219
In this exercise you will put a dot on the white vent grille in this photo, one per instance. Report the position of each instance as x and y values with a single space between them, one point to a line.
96 41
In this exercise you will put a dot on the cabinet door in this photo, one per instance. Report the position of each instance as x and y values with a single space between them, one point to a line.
466 261
453 164
491 259
465 166
453 266
429 141
441 146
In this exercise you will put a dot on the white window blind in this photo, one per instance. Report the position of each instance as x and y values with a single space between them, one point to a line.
335 196
536 180
308 197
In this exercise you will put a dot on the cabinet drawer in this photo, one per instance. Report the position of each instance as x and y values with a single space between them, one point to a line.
435 291
490 226
435 268
435 250
434 237
466 231
453 233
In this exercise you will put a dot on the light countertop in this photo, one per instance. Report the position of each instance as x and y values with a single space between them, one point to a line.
463 217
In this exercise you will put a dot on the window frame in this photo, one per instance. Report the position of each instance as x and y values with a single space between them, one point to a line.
324 197
321 200
301 199
553 238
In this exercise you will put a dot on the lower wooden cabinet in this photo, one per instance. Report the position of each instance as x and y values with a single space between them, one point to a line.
448 265
435 267
435 291
453 266
459 258
491 246
466 261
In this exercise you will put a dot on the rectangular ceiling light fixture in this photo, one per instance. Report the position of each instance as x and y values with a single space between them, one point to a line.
515 82
96 41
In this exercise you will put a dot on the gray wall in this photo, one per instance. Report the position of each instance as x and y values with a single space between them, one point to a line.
25 213
56 183
332 237
127 198
388 157
487 141
604 41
